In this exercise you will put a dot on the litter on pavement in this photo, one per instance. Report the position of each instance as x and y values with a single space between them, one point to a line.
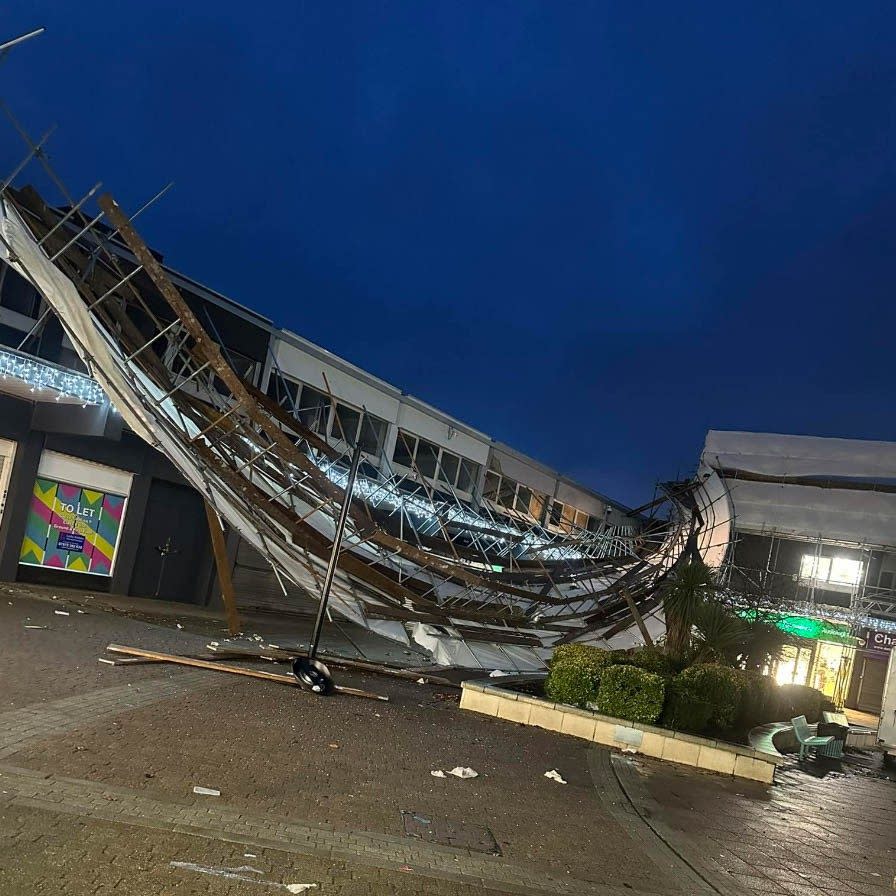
240 873
206 791
554 775
460 771
438 773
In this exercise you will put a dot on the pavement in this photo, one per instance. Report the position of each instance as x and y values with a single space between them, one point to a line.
98 765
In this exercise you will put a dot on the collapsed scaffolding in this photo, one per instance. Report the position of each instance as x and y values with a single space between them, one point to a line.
461 577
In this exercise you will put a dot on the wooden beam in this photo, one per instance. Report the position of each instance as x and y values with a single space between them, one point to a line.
290 680
637 614
223 566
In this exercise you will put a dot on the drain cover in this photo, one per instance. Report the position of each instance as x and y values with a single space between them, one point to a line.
449 833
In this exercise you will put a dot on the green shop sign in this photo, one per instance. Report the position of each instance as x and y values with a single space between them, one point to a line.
807 627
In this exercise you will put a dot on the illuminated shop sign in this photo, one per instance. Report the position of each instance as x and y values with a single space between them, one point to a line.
883 642
807 627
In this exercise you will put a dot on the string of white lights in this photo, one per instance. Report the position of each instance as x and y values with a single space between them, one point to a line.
40 376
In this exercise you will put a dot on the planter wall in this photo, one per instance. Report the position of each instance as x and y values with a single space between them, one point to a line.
659 743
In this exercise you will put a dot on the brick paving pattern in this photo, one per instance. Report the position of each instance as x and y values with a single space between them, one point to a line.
97 765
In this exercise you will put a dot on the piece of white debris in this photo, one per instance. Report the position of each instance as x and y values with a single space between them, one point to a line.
438 773
108 662
212 643
421 681
35 626
81 612
554 775
497 673
249 855
240 873
460 771
178 625
61 612
206 791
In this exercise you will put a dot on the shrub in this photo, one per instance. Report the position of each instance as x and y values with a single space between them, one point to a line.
799 700
627 692
759 700
575 673
685 710
650 660
719 688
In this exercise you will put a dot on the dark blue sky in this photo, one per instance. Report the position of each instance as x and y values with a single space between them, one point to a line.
591 230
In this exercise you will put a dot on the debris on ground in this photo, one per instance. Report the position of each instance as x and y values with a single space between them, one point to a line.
461 771
206 791
240 873
497 673
438 773
421 681
36 626
554 775
62 612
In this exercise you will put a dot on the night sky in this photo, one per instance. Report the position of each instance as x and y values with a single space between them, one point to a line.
590 230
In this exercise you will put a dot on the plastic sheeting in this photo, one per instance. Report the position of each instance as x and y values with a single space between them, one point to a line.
857 515
769 454
810 512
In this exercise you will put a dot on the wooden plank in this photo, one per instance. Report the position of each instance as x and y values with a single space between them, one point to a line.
637 614
233 670
223 566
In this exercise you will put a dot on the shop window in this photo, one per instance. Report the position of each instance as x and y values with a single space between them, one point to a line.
427 459
449 465
373 434
436 463
838 571
468 475
314 410
284 391
346 423
556 513
17 294
405 446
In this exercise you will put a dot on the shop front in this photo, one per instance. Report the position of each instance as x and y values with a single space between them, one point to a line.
75 516
822 655
866 689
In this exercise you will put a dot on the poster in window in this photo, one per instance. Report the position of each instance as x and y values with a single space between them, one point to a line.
72 527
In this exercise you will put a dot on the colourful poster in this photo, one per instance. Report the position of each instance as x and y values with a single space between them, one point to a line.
71 527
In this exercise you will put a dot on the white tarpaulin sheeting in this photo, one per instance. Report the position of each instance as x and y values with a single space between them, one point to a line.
831 513
838 513
769 454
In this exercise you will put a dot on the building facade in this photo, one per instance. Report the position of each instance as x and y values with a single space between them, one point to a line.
815 534
85 503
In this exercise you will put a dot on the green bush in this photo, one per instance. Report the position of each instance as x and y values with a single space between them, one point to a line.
575 672
759 700
684 710
799 700
627 692
648 659
717 687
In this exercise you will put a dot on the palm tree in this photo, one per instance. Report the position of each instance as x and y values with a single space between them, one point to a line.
687 589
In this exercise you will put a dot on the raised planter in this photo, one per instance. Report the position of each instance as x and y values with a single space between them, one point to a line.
660 743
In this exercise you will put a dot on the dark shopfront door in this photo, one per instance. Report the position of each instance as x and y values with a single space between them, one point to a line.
872 674
174 522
